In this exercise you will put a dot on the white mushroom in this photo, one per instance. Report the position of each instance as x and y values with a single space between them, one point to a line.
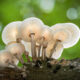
31 26
10 32
30 30
7 59
68 33
47 36
17 49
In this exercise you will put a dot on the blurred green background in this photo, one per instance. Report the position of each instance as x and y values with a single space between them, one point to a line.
49 11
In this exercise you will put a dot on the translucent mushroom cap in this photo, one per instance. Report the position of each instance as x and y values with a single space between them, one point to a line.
31 25
16 48
68 33
4 56
10 32
47 34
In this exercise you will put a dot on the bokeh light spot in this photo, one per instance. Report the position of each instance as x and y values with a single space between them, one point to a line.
72 13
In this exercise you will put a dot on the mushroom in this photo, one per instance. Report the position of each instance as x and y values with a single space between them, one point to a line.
68 33
17 49
30 31
65 34
47 36
7 59
10 32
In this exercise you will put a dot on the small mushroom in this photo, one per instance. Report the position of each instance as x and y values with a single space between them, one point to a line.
30 31
10 32
7 59
17 49
68 33
65 34
47 36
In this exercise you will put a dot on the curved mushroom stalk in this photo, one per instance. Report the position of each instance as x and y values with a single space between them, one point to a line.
10 32
68 33
30 31
17 49
7 59
57 51
54 49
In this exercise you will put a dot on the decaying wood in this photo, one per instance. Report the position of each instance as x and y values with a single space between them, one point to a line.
48 70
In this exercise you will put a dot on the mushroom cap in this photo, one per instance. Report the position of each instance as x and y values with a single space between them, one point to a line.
31 25
47 33
4 56
57 53
68 33
16 48
10 32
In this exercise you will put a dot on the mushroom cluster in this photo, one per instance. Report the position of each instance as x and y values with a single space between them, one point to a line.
33 38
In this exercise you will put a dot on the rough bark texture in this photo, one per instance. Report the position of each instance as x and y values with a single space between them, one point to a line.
59 70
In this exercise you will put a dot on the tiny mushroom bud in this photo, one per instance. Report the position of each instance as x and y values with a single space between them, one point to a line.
17 49
10 32
7 59
68 33
30 31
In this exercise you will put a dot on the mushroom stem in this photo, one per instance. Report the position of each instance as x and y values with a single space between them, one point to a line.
27 55
43 53
33 46
54 47
44 46
39 48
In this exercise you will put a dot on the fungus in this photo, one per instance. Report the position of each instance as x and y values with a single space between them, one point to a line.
65 34
17 49
47 36
30 31
7 59
10 32
68 33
